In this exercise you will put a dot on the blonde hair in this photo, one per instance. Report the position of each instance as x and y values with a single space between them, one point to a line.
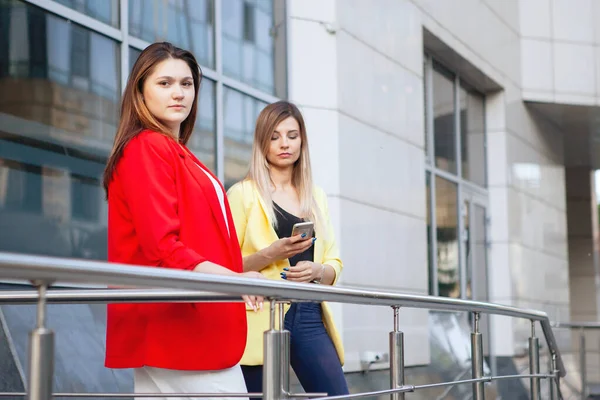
266 123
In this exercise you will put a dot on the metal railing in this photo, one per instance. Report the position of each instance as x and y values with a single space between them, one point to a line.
581 327
196 287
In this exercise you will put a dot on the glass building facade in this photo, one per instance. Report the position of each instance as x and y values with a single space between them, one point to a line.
63 66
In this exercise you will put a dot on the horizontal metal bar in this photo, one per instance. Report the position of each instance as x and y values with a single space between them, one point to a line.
102 296
137 395
527 376
412 388
401 389
51 269
484 379
577 325
461 382
150 395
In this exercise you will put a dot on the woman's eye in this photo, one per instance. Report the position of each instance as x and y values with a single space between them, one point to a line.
188 84
293 137
274 138
163 83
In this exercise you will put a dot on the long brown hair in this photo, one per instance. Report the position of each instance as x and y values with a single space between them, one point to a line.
135 116
266 123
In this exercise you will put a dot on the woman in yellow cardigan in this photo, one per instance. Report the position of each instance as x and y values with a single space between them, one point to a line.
277 193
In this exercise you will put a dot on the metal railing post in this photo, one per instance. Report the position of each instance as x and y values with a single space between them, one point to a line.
275 373
228 288
583 364
285 352
41 353
534 364
554 379
396 357
477 359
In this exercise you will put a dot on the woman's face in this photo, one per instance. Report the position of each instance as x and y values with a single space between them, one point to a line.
169 93
285 146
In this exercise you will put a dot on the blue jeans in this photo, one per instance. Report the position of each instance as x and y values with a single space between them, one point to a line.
312 354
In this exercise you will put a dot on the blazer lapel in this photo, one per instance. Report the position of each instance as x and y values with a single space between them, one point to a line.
194 166
271 231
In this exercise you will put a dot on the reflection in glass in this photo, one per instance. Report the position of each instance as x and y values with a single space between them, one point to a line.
202 142
477 274
444 121
250 33
240 112
51 203
188 24
466 240
133 56
426 100
59 74
106 11
56 129
429 243
479 256
447 238
472 136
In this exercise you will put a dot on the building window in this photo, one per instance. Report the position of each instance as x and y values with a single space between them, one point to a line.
106 11
240 112
188 24
455 146
65 75
251 32
248 77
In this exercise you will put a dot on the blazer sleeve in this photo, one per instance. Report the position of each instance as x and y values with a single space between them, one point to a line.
235 196
147 175
332 252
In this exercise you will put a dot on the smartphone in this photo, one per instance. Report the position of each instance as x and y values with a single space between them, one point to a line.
303 227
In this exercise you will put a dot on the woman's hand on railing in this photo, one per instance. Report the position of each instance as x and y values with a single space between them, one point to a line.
254 302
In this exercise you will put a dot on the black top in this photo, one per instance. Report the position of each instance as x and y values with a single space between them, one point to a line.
285 223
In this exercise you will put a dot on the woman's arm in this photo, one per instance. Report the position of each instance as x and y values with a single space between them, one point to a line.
331 256
278 250
147 177
327 270
258 260
308 271
235 197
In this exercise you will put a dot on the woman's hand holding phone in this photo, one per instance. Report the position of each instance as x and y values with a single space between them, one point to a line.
289 247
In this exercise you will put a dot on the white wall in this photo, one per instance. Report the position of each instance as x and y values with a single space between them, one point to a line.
561 51
360 86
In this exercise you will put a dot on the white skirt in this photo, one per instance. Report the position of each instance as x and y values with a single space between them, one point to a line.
158 380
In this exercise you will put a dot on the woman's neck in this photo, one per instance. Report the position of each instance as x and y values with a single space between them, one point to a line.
174 131
281 178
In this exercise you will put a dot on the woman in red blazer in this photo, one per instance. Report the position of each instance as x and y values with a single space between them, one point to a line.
166 209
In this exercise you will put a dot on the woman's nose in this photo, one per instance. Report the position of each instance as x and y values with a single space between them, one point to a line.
178 92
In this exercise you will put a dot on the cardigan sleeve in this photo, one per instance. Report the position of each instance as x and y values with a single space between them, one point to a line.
331 255
147 176
235 196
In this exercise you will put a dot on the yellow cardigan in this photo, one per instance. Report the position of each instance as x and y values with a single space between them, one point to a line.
255 232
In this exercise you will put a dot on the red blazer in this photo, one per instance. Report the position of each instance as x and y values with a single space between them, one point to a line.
163 211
